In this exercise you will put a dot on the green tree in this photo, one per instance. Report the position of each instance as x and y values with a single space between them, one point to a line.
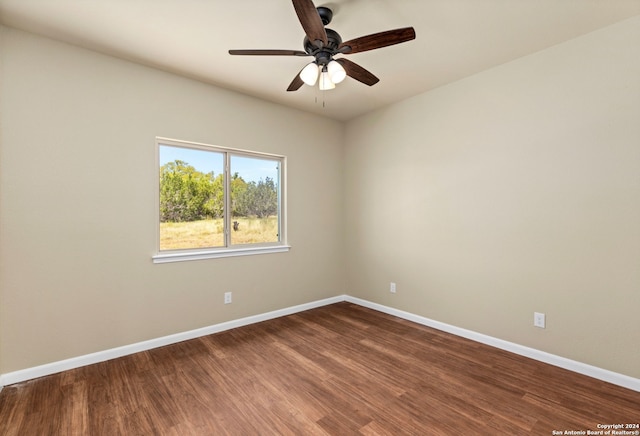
257 199
239 187
265 199
187 194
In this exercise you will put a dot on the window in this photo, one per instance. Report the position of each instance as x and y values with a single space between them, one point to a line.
218 202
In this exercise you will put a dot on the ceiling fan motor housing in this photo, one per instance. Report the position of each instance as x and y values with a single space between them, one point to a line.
324 55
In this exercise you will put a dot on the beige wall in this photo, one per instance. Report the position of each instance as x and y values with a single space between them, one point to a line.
512 191
77 218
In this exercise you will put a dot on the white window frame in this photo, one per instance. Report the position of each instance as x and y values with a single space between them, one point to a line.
229 250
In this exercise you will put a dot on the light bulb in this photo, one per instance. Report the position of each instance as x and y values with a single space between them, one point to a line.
336 72
309 74
325 82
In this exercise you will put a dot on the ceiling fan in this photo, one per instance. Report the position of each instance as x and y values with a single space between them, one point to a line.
323 44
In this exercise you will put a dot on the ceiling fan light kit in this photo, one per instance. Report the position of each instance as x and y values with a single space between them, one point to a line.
336 72
323 44
325 81
309 74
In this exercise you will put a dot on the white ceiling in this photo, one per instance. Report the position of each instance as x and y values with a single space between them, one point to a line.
455 39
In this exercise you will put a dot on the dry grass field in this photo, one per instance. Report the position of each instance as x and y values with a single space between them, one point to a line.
209 233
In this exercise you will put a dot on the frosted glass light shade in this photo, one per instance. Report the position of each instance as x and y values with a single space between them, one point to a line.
325 82
309 74
336 72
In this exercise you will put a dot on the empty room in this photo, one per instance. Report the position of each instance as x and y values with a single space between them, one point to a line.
294 217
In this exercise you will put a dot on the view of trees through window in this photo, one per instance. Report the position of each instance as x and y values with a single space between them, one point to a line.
193 202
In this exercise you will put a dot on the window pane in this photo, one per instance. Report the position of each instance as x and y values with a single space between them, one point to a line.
255 203
191 198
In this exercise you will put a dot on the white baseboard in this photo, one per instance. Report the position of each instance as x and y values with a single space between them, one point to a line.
101 356
562 362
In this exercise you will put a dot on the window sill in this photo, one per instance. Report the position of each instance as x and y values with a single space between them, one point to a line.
214 254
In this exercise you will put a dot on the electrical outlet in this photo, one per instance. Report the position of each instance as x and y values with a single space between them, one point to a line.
227 298
392 287
539 319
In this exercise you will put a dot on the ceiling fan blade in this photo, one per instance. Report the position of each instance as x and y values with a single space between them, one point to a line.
296 83
311 21
357 72
269 52
378 40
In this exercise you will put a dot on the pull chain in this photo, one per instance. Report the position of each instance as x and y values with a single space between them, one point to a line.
316 98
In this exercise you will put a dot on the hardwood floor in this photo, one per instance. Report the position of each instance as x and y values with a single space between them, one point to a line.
339 370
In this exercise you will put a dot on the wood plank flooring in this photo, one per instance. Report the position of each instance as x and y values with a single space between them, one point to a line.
337 370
